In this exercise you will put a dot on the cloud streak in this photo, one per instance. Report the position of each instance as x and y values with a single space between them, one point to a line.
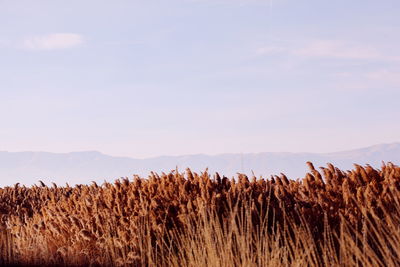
54 41
330 49
338 49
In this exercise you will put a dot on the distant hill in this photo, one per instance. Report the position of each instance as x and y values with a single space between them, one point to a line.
84 167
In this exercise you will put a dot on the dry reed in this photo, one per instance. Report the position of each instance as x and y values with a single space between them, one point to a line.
328 218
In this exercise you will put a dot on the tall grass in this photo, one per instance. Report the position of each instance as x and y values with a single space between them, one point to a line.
328 218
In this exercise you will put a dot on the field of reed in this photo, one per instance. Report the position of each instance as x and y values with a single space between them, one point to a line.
329 218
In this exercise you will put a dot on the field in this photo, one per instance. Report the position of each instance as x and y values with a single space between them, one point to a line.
329 218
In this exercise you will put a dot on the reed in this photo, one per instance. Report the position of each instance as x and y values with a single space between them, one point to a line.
329 218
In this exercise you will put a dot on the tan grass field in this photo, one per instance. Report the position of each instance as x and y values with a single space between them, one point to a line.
329 218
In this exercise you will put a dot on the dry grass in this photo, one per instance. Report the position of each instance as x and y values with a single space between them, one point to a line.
329 218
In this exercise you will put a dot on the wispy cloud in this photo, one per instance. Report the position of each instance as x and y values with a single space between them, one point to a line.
386 77
53 41
338 49
330 49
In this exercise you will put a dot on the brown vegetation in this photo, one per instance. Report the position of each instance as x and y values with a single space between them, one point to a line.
329 218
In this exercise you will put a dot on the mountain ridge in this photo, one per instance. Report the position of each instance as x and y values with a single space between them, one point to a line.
28 167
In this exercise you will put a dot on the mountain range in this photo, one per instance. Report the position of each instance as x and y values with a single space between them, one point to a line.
83 167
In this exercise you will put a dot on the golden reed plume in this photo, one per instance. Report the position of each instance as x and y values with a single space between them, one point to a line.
328 218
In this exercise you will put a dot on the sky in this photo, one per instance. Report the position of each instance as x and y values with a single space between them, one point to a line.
150 78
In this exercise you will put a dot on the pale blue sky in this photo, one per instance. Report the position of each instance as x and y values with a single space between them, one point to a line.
148 78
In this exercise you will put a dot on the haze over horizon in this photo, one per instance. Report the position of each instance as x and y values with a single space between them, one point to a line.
205 154
83 167
143 79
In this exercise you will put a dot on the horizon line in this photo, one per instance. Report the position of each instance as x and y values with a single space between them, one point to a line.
203 154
